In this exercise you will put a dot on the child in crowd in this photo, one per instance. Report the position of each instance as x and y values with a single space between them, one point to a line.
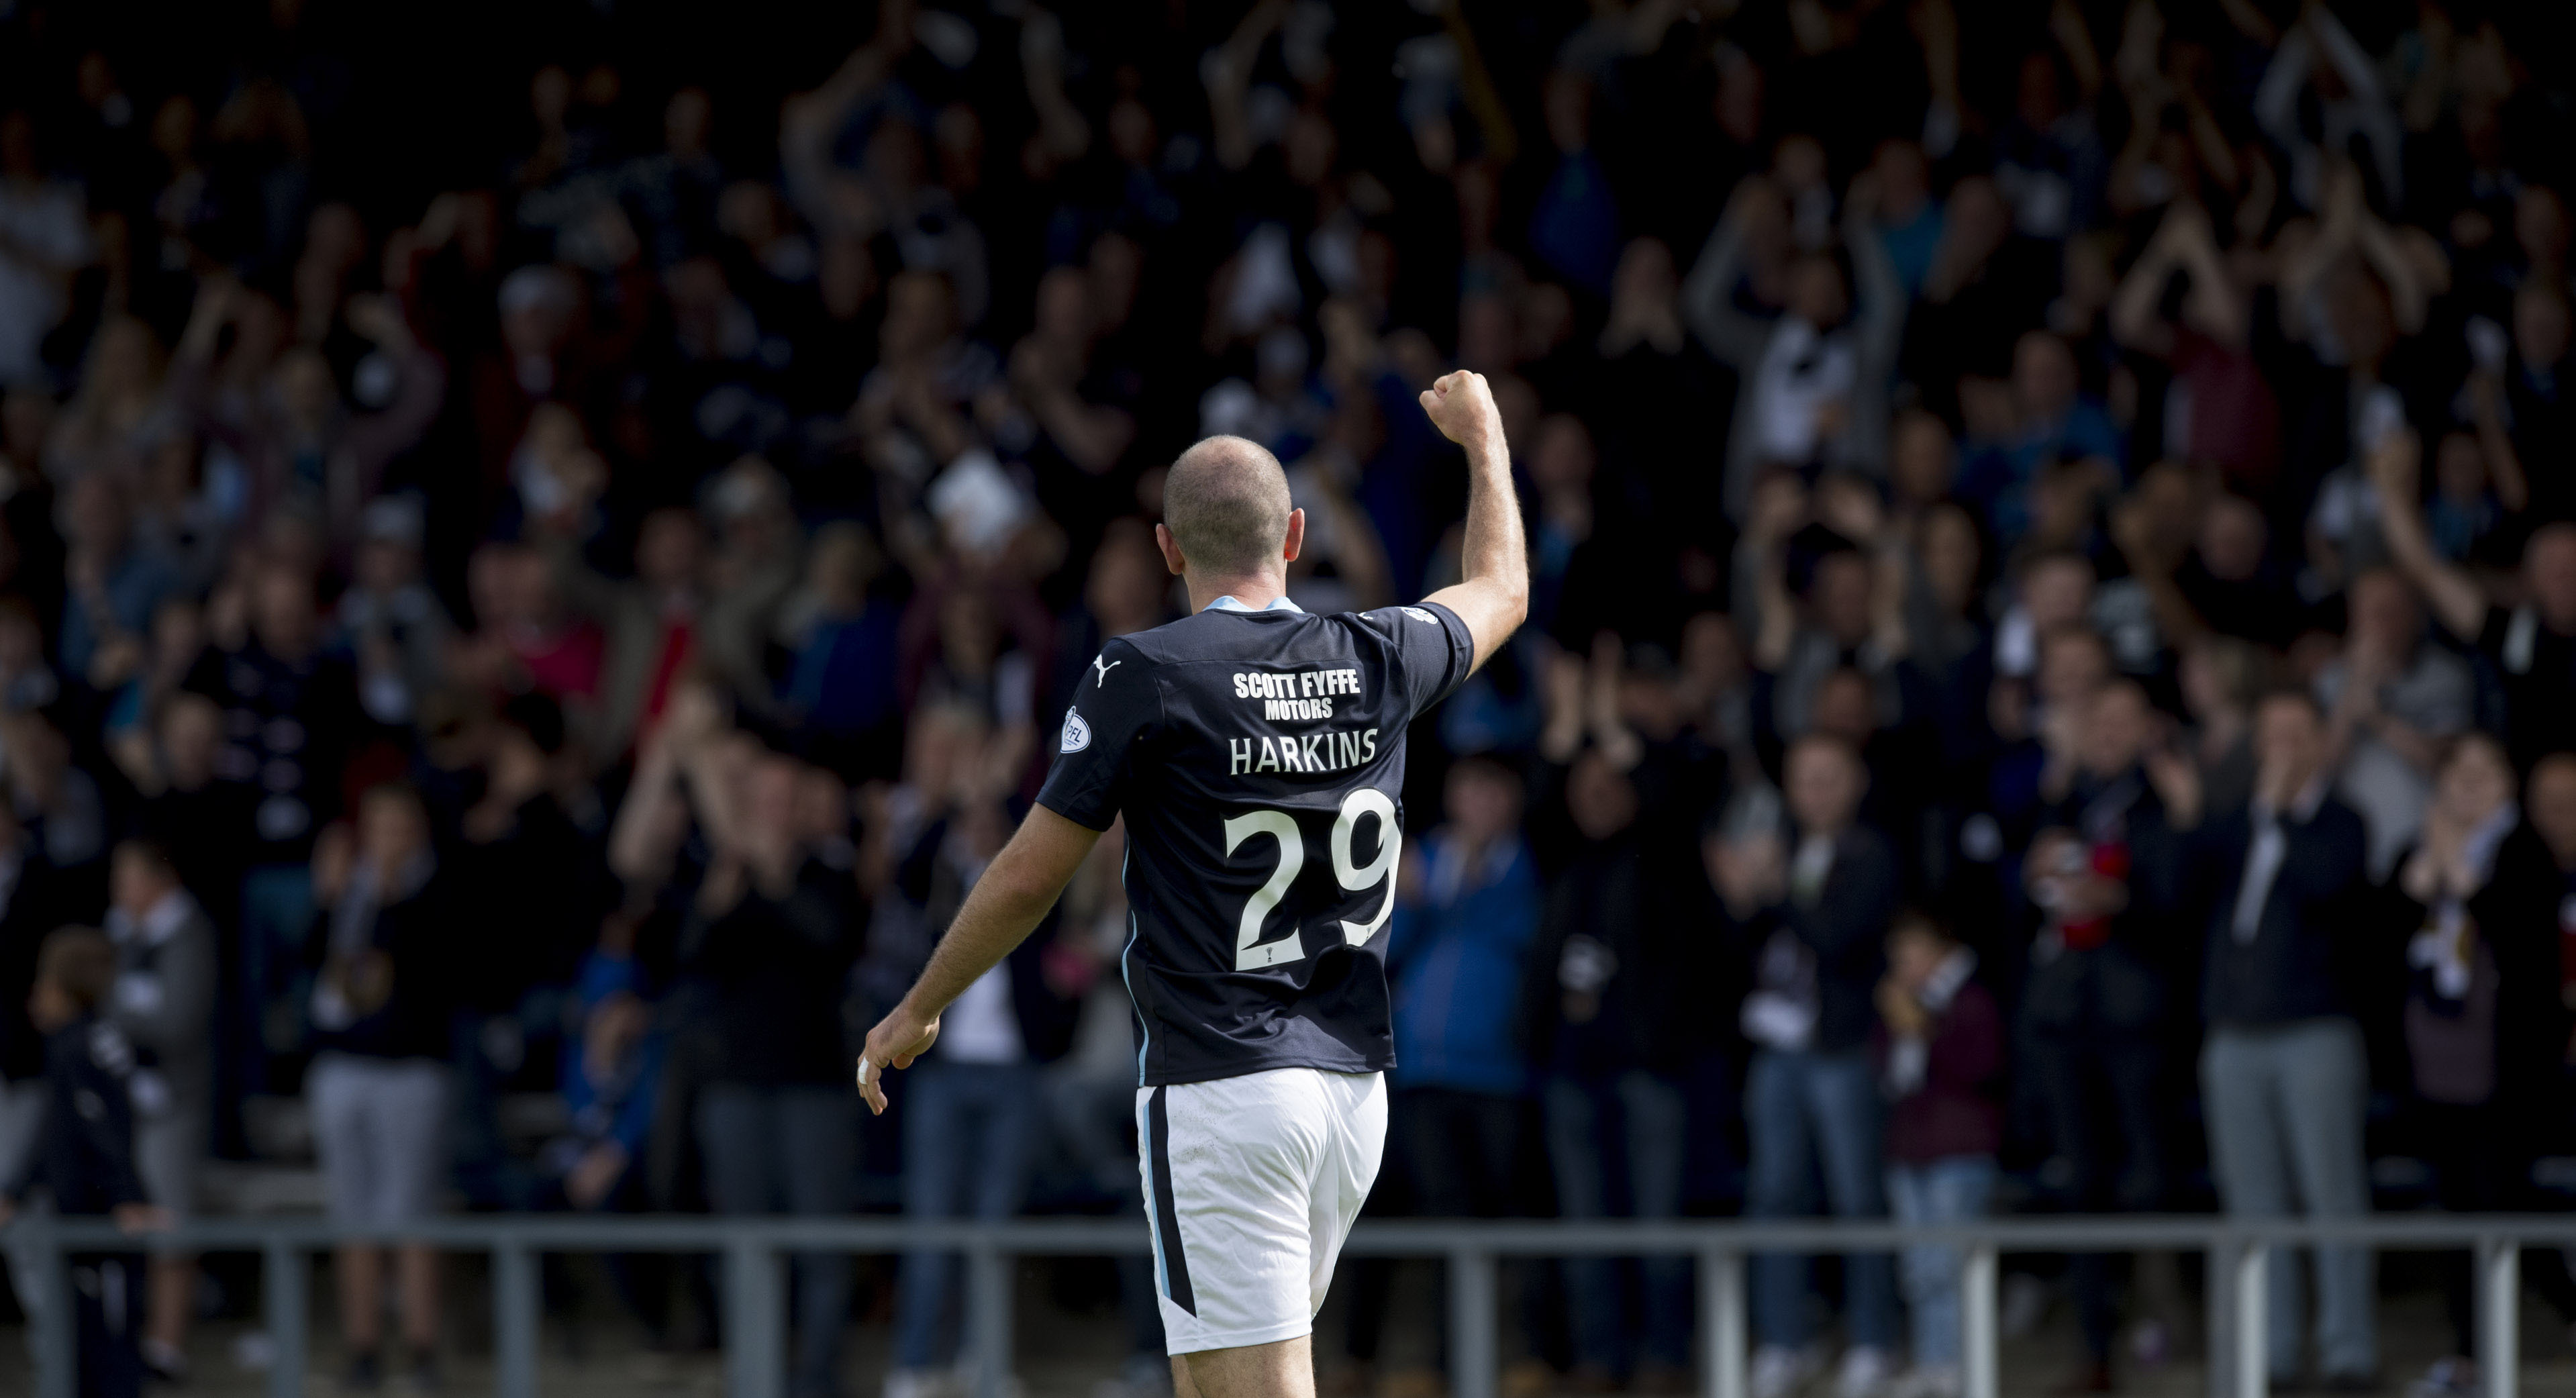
611 1073
84 1155
612 1076
1940 1052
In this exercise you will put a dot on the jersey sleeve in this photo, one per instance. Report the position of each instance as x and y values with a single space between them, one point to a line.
1115 708
1431 651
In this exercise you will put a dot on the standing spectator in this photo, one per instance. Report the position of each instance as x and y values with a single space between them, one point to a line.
972 1113
290 715
528 896
2094 1004
2051 420
2484 1036
2221 679
2532 646
2350 107
529 640
1467 912
58 803
164 1004
1816 378
1604 1016
1811 1097
2283 1072
842 686
44 239
1940 1056
769 937
85 1155
33 902
651 621
384 943
389 621
1090 1094
116 578
2218 408
1462 932
202 821
2392 697
612 1074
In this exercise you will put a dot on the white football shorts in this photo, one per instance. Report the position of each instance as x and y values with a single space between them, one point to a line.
1251 1184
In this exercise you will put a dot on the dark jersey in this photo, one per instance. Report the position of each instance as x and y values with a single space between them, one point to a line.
1258 757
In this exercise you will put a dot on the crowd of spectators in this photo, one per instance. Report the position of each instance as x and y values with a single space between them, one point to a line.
2051 680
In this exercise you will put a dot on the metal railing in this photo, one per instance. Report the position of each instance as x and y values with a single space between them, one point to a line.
755 1288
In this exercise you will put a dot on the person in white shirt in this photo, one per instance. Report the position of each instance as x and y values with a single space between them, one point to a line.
972 1114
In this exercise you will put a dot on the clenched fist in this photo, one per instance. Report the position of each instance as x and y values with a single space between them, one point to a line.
1461 405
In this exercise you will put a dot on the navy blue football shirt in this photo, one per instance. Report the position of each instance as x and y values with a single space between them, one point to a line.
1258 757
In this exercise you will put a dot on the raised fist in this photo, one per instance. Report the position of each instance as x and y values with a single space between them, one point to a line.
1461 405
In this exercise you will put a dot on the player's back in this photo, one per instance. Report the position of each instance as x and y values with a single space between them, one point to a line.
1258 757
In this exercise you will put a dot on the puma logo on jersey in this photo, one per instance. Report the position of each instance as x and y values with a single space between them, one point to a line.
1101 665
1420 615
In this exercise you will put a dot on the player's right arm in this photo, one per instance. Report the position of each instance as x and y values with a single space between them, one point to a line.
1492 596
1017 888
1116 704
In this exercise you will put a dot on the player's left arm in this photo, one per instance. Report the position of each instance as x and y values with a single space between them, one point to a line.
1017 888
1492 595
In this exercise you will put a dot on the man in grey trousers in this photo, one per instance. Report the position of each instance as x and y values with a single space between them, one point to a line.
2283 1075
164 1003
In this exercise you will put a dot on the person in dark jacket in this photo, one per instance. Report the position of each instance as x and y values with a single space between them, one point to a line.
529 890
1940 1058
35 898
1604 1036
84 1155
769 944
1823 901
2283 1070
2093 1005
384 995
291 716
2485 1031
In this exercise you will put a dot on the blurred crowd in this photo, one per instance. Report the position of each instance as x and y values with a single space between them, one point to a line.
2051 681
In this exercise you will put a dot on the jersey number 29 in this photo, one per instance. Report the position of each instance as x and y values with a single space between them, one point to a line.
1250 952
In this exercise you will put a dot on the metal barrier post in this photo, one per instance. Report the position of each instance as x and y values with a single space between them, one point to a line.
514 1321
2250 1351
755 1320
1981 1372
1474 1345
57 1338
1721 1316
283 1275
988 1280
2218 1319
2499 1315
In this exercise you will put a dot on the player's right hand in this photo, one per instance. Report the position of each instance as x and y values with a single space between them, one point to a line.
1461 405
897 1040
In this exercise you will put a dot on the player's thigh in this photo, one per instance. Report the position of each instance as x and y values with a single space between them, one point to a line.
1229 1178
1355 1143
1280 1369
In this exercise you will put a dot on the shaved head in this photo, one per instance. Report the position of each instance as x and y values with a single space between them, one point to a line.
1226 503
